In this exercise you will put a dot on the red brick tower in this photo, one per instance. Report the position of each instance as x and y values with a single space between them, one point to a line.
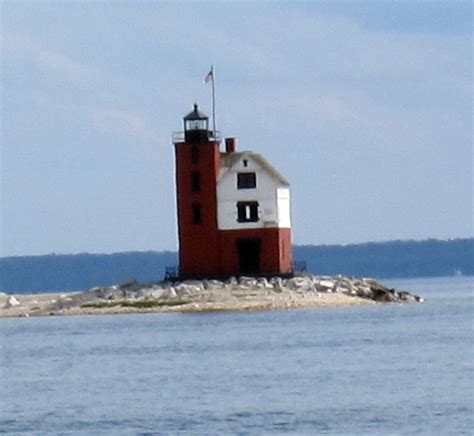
197 168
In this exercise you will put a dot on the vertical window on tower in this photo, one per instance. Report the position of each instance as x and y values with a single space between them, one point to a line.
197 218
194 154
247 211
195 181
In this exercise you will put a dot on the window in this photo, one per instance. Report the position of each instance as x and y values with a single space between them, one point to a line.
245 162
194 154
195 181
246 181
197 219
247 211
196 124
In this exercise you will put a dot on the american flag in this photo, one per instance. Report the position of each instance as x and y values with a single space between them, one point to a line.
209 76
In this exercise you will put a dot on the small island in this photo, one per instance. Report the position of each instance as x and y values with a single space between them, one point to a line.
234 294
233 210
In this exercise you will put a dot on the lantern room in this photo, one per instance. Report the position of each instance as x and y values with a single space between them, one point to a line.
196 126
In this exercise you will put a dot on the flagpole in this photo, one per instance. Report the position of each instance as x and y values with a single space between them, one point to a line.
213 101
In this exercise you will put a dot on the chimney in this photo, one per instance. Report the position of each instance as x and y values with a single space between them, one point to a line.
229 145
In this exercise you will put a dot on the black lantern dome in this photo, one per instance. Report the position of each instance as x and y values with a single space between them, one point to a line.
196 126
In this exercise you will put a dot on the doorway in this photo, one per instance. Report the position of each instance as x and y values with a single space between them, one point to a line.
249 255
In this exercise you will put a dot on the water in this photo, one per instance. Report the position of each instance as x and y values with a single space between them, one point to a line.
385 369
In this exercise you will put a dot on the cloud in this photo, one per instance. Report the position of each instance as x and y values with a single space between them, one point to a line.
20 47
336 50
118 122
328 108
68 68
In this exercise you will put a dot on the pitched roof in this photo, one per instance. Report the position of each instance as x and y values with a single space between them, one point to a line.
228 160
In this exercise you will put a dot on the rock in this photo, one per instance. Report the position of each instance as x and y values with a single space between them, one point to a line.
130 294
113 294
187 289
405 296
193 285
293 283
169 293
299 284
166 285
130 284
363 291
263 283
277 284
328 284
250 282
232 281
144 292
343 282
157 293
213 284
409 298
243 288
294 290
11 302
384 296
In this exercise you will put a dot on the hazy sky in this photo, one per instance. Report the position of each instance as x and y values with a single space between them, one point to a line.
365 107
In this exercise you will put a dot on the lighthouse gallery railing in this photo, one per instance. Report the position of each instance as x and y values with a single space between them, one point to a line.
213 135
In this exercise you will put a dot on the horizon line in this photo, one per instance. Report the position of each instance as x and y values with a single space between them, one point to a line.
349 244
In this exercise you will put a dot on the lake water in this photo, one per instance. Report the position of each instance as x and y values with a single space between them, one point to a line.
384 369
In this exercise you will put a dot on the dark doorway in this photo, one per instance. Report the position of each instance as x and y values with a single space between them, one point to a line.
249 255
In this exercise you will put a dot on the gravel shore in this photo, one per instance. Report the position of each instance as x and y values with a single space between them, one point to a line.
234 294
45 304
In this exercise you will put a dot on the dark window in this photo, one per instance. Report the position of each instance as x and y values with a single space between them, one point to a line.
246 180
247 211
197 219
245 161
195 181
194 154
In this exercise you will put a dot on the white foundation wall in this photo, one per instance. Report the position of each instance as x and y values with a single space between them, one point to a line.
273 200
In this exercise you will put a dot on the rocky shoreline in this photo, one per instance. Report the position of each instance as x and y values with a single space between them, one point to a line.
234 294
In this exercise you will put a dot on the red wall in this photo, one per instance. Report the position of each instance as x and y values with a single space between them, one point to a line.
198 243
275 250
204 251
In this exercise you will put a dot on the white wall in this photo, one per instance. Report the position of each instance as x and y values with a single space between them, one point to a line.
273 199
284 207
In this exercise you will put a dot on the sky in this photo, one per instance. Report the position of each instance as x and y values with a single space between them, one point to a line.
364 106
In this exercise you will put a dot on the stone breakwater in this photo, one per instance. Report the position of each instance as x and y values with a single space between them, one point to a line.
242 293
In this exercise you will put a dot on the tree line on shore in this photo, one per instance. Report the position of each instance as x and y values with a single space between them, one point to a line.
393 259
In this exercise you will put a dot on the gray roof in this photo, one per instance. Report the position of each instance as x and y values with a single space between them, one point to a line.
229 159
196 114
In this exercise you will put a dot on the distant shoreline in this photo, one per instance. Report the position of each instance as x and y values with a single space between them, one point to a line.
384 260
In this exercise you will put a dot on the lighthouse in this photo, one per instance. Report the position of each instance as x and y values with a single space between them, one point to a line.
233 207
